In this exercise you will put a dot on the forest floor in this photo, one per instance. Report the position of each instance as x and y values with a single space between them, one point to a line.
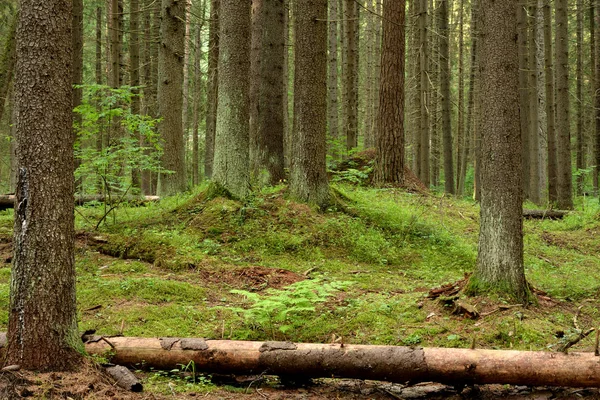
206 266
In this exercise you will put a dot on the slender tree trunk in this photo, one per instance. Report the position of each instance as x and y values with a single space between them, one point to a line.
42 325
445 94
535 194
524 92
7 62
351 101
435 75
332 73
424 93
197 97
377 54
542 106
594 79
231 163
550 107
470 120
134 71
212 88
389 161
565 182
308 179
287 133
186 75
580 154
256 41
170 99
460 129
500 257
114 30
414 84
597 97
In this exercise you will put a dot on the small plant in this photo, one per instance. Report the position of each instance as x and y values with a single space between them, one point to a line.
287 309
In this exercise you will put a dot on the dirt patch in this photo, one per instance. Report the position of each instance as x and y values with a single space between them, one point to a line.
254 278
6 252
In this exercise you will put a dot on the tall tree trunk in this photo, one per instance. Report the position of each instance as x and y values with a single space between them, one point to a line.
212 94
287 66
424 94
42 325
185 123
377 50
523 92
308 179
597 97
255 77
351 101
580 153
435 76
470 120
148 85
7 62
367 86
563 143
445 94
197 97
460 129
500 256
541 96
332 74
266 146
594 79
134 71
535 194
550 107
389 161
114 30
170 99
231 163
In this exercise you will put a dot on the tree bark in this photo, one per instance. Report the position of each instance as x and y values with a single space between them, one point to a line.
500 256
550 107
563 143
535 194
388 363
42 326
541 98
351 76
231 162
580 150
470 130
7 62
389 161
308 178
212 94
445 94
332 74
424 94
460 129
170 99
594 79
597 98
523 92
134 73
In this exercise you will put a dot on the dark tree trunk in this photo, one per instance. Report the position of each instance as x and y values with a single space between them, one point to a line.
308 179
500 257
550 107
7 62
212 88
134 71
351 76
231 162
42 326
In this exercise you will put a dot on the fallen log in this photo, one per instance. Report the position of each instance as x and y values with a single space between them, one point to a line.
124 378
386 363
8 200
544 214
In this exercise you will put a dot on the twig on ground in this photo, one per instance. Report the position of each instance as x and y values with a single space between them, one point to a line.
576 340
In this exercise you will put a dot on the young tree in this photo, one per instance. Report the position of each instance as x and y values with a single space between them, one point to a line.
170 98
42 326
389 161
500 257
231 158
308 178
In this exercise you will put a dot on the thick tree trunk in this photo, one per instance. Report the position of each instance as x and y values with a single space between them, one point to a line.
550 107
231 158
7 62
351 77
500 256
445 94
308 178
42 325
434 67
563 143
170 99
212 88
389 161
388 363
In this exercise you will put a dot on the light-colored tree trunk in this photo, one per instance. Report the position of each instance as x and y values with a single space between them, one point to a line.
424 94
114 29
134 71
198 95
449 186
470 130
580 149
500 256
389 160
212 85
563 142
231 162
434 78
42 325
170 99
523 92
542 106
460 128
550 107
308 178
535 194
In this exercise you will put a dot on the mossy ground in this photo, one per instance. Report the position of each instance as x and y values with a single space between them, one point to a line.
168 269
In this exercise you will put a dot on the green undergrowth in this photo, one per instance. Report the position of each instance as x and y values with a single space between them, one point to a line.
203 265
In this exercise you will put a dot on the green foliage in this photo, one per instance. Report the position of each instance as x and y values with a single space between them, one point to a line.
351 175
289 308
131 145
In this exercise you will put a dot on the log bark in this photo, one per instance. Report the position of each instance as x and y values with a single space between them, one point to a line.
544 214
388 363
8 200
124 378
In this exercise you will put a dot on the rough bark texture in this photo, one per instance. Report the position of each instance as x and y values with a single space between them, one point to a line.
332 74
197 99
541 98
266 143
445 94
424 94
212 88
580 152
523 92
114 29
42 326
563 129
134 70
351 75
597 99
593 89
389 161
170 99
389 363
550 107
535 194
470 129
308 179
7 62
231 162
460 128
500 256
434 103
